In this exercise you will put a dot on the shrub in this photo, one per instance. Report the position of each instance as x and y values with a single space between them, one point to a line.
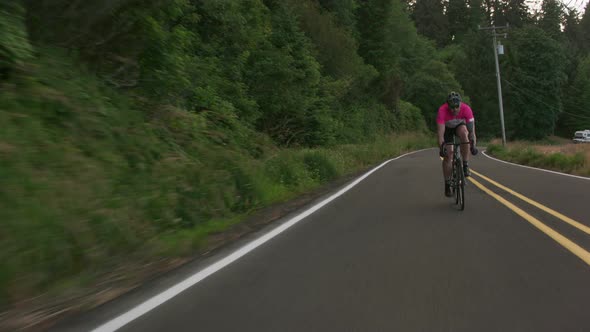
529 156
319 166
286 170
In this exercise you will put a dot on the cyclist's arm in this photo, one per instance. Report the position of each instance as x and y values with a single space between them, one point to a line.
441 133
471 129
470 122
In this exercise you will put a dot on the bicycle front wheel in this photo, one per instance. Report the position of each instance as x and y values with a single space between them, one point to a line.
460 186
461 196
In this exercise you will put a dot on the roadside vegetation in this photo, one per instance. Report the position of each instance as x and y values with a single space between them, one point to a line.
93 181
132 131
109 166
553 154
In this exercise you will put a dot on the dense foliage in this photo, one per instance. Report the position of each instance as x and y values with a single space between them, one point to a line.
14 44
542 70
150 116
309 73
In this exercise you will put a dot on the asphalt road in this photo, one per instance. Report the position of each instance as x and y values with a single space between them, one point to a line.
393 254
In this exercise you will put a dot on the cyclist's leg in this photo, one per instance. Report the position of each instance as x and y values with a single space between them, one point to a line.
463 135
447 163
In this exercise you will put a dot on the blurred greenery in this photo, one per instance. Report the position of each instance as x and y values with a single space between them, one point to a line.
135 129
96 180
14 43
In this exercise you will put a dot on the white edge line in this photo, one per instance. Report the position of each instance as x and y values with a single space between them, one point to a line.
155 301
538 169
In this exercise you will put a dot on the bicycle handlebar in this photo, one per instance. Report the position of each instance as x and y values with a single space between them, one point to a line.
456 144
472 149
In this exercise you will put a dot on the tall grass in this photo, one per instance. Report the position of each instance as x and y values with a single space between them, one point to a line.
527 154
92 180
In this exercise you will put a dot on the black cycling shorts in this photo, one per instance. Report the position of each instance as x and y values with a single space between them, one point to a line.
451 132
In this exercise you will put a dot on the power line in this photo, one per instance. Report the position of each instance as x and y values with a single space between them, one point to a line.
583 92
577 116
551 107
529 94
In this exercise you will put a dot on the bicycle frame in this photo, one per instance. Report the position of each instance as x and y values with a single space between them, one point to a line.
457 176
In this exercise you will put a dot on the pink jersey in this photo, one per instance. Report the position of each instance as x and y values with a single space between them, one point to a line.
445 115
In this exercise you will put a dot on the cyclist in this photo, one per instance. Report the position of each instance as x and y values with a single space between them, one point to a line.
455 118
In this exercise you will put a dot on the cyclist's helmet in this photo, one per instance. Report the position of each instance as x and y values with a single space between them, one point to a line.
454 99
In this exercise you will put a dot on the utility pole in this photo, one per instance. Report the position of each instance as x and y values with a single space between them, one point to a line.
499 82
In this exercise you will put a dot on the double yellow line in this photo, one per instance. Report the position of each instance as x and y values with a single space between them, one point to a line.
567 243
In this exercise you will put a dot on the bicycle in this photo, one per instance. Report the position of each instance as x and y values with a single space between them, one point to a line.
458 179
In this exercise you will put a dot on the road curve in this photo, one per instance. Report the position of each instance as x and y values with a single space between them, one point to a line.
393 254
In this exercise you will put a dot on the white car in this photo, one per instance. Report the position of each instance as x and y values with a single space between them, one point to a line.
582 136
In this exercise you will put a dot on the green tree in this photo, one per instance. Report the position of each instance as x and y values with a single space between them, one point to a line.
431 21
576 115
457 15
165 54
229 31
516 13
573 41
387 35
533 83
572 31
14 43
477 15
585 29
284 78
344 11
102 32
429 87
512 12
336 48
497 10
488 7
472 63
551 18
345 75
